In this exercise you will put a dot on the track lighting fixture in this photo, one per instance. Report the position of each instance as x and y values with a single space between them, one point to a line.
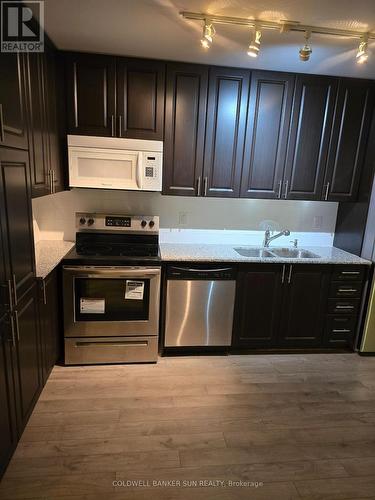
362 54
306 50
208 33
254 47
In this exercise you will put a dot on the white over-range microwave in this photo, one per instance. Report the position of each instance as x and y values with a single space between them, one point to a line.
114 163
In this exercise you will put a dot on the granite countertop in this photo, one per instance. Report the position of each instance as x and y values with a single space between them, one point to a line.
48 254
226 253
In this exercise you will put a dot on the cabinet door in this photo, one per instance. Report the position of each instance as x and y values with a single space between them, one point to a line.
225 132
16 218
305 299
13 125
7 409
185 118
27 356
140 98
91 91
54 118
355 104
38 150
313 106
267 134
49 314
258 306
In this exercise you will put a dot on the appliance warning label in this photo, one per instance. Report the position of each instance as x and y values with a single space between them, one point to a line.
134 290
92 306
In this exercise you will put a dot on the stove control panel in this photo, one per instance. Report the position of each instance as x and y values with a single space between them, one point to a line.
115 223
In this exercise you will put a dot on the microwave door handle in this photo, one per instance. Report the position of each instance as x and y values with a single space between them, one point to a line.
139 171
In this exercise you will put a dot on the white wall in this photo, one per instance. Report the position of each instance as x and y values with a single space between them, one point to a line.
54 214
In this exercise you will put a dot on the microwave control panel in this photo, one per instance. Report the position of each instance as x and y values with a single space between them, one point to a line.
152 171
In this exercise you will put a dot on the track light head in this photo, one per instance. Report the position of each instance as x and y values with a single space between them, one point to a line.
362 53
254 47
208 33
306 50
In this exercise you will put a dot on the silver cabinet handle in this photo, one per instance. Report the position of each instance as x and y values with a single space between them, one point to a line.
327 191
280 187
342 330
2 136
120 125
283 274
10 296
112 125
53 181
13 331
199 186
205 186
349 290
350 272
17 325
44 292
344 307
15 290
286 189
290 274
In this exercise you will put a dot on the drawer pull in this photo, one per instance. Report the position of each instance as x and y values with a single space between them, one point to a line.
343 330
344 307
349 290
350 272
123 343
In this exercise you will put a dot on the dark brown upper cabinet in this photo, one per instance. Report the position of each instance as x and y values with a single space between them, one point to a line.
16 220
354 108
13 123
38 149
91 94
225 131
140 98
115 97
268 121
185 119
310 130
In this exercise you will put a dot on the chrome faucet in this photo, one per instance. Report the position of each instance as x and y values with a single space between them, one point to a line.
268 238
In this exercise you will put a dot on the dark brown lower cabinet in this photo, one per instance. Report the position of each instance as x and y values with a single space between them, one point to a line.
49 323
297 306
8 431
26 356
304 306
259 293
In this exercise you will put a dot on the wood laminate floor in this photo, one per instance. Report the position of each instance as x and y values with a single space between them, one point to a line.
277 426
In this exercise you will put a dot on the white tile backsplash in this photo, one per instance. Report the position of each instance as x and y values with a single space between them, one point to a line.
190 218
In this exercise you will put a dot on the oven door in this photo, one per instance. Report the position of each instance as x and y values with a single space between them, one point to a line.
111 301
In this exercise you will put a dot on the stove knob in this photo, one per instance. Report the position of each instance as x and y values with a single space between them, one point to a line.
151 223
90 222
82 221
143 223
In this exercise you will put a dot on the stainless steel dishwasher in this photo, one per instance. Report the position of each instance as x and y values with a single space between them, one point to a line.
199 305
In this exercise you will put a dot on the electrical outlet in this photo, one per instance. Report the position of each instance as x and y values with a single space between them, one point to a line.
182 218
318 222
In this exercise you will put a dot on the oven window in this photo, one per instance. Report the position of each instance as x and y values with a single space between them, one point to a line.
111 299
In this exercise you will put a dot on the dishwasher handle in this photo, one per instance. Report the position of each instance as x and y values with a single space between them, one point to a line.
202 273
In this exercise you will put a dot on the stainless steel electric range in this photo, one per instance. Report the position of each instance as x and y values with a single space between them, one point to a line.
111 290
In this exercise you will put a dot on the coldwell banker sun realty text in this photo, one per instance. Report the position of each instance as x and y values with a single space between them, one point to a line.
20 31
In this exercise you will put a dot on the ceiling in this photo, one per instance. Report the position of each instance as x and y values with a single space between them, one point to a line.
154 28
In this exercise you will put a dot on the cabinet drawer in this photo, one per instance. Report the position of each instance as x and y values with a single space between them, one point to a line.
339 331
342 306
348 273
340 289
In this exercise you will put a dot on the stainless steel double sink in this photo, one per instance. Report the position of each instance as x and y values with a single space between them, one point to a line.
287 253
